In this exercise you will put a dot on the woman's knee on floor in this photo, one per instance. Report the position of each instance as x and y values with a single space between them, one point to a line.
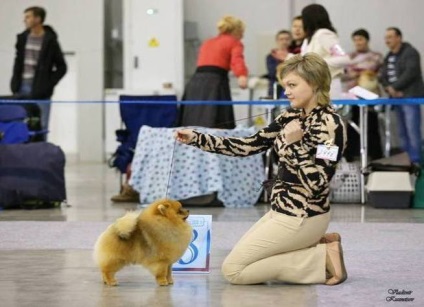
232 271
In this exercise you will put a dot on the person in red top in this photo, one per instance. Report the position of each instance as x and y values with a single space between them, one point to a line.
217 56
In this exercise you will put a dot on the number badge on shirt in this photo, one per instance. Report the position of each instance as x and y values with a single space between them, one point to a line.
328 151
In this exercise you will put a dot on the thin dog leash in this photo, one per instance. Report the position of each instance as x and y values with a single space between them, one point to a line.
175 143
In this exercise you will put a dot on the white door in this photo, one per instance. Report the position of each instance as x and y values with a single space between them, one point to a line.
153 45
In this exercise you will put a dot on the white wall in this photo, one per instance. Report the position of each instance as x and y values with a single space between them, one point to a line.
79 25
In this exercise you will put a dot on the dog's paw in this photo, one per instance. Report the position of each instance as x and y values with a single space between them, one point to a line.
111 283
162 282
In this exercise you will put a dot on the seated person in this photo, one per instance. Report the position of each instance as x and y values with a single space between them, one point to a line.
127 193
275 58
298 34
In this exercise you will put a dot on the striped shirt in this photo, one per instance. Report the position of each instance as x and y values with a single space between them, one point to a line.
32 53
302 187
391 69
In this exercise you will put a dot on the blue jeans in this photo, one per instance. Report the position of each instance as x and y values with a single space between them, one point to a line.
409 122
45 114
44 107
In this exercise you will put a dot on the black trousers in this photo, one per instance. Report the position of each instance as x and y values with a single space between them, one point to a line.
208 83
375 150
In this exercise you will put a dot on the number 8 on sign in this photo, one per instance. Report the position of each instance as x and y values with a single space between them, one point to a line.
197 256
192 251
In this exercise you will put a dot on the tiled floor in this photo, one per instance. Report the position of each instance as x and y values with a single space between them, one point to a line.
385 251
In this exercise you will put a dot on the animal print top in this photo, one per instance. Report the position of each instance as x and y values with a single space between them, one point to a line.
302 187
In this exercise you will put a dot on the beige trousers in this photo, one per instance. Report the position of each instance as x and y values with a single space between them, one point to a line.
279 247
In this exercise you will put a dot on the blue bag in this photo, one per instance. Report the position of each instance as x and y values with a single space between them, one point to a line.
13 128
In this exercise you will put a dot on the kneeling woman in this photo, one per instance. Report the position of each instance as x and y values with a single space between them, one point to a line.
289 243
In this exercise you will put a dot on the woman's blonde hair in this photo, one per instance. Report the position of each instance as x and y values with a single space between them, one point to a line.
313 69
231 25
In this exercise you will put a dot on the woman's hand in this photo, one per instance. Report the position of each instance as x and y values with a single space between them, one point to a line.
242 82
293 132
184 135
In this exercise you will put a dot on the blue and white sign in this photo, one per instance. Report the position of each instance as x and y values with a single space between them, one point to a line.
196 259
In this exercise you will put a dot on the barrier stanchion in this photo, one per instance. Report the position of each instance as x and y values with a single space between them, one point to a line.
363 124
387 132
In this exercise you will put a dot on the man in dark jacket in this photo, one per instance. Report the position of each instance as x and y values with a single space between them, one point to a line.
401 77
39 62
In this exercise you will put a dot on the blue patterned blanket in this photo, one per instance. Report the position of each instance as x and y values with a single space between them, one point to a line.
237 180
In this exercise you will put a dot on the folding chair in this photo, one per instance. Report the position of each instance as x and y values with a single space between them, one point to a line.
133 116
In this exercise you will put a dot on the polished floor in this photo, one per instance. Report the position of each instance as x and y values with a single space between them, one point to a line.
45 256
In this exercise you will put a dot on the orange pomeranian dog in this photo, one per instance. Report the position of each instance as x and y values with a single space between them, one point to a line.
155 238
368 79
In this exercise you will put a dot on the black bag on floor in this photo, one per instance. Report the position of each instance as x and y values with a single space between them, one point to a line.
31 176
209 200
396 163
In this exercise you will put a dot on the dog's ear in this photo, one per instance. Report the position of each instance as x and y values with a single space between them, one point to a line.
162 208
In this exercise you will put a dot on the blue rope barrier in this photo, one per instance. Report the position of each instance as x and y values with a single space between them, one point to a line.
380 101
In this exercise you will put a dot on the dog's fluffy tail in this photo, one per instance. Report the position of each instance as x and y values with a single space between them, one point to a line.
126 225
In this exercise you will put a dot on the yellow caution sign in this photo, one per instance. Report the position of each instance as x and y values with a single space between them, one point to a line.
259 121
153 42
